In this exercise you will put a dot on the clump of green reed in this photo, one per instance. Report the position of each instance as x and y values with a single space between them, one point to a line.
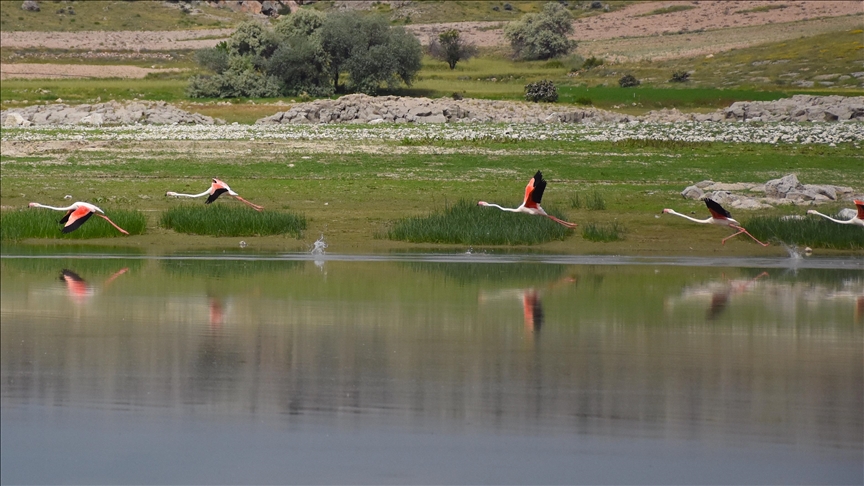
44 223
811 231
603 232
225 220
593 201
468 224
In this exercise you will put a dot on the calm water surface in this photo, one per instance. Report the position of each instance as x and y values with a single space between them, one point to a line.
120 368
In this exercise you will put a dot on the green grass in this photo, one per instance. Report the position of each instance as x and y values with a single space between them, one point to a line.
113 16
593 201
43 223
812 231
603 232
763 8
224 220
468 224
670 9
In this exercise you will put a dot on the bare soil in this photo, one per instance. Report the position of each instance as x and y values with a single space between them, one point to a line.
712 26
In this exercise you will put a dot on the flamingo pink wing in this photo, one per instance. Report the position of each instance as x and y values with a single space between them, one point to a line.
77 218
860 205
528 201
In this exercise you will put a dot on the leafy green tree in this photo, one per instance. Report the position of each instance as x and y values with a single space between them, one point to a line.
300 64
304 22
541 35
451 48
369 50
213 58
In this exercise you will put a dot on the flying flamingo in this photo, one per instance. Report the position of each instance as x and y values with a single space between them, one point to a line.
720 217
857 220
531 204
216 189
77 214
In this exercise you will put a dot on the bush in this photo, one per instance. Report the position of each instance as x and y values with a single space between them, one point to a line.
213 58
541 91
451 48
628 81
541 35
680 76
592 62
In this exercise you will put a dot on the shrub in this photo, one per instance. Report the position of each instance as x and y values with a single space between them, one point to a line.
32 223
628 81
604 233
225 220
468 224
451 48
680 76
592 62
541 35
541 91
213 58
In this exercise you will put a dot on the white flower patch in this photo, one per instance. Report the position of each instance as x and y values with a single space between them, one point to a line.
771 133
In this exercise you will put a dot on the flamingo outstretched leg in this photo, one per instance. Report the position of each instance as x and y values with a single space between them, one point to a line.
112 224
254 206
561 221
741 230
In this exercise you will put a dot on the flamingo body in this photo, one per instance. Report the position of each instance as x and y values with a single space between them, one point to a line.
857 220
719 216
217 188
77 214
531 202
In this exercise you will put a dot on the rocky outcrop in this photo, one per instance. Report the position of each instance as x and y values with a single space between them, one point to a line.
786 190
269 8
359 108
110 113
30 6
798 108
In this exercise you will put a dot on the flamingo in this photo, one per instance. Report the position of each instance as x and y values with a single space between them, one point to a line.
720 217
531 204
217 188
857 220
79 289
77 214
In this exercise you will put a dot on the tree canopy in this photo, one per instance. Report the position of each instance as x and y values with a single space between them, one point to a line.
541 35
308 52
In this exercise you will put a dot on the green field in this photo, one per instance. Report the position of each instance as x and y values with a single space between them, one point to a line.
353 193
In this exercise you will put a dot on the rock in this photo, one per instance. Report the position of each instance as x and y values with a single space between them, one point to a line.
693 192
13 119
92 119
779 188
847 213
30 6
704 184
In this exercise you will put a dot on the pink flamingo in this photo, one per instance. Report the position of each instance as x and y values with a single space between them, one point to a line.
531 203
77 214
217 188
719 216
857 220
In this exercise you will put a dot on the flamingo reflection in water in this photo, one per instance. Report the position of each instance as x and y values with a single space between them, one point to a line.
532 307
78 288
719 293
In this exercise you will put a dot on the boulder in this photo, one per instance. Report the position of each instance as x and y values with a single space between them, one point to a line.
778 188
30 6
692 192
14 119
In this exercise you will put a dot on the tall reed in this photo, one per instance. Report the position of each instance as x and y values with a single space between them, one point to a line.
468 224
811 231
225 220
44 223
603 232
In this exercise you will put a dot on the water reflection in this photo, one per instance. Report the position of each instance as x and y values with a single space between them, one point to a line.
79 290
718 355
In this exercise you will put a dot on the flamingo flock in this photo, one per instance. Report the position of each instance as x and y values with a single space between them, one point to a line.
78 213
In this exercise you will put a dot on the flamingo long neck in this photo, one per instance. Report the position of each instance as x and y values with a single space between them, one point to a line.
512 210
851 221
177 194
704 221
69 208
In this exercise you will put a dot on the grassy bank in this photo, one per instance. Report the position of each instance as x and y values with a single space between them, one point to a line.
356 189
43 223
223 220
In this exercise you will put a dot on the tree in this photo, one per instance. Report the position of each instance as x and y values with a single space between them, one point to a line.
541 35
451 48
369 50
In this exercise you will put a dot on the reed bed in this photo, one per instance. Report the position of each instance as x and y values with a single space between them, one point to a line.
468 224
603 232
43 223
811 231
224 220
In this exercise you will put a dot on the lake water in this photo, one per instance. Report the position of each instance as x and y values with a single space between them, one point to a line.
449 368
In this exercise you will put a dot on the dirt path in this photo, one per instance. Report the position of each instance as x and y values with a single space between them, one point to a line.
56 71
